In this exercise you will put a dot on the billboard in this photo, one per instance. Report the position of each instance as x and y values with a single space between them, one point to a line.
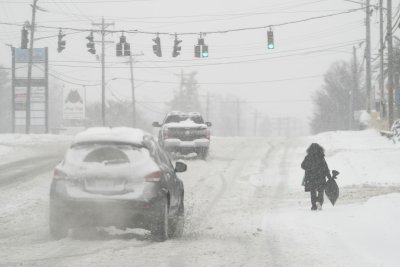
39 90
74 104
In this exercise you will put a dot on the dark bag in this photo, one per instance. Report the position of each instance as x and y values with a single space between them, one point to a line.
332 189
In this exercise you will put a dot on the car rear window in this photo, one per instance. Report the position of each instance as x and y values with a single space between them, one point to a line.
179 118
106 154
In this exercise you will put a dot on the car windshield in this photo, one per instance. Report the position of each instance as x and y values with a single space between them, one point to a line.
105 153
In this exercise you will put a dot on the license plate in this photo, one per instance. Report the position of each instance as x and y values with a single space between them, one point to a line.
104 185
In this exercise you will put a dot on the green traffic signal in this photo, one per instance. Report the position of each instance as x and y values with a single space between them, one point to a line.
204 50
270 38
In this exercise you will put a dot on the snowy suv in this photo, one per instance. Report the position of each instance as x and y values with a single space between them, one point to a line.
184 133
117 177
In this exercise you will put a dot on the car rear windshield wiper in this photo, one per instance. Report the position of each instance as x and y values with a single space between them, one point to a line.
114 161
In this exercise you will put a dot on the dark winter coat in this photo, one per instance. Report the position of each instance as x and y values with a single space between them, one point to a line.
316 171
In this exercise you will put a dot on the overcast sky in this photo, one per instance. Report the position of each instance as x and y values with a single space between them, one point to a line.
288 74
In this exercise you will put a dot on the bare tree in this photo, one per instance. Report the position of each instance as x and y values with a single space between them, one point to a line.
332 101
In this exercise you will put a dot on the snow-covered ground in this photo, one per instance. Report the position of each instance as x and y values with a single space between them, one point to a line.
20 146
244 207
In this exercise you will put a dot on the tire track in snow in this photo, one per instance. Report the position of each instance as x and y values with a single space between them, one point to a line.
265 250
234 175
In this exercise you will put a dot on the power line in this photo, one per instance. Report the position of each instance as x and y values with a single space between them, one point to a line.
243 82
207 63
203 83
197 33
80 2
326 47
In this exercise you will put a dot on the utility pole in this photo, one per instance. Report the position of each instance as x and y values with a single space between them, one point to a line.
353 89
30 60
181 85
103 26
255 113
208 107
238 116
368 55
381 55
133 92
390 61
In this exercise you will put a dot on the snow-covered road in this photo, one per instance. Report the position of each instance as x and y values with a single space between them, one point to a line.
244 207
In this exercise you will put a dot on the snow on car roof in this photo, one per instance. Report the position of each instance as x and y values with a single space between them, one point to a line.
108 134
180 113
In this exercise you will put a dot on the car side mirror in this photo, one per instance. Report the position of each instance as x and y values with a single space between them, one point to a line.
156 124
180 166
209 124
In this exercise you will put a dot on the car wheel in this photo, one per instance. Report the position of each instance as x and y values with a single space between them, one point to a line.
58 226
160 230
179 222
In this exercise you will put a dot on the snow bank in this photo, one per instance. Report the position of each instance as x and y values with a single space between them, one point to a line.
32 139
361 157
17 146
352 235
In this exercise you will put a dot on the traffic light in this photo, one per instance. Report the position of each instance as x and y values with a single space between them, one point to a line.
177 48
123 48
201 49
127 49
90 45
157 46
119 50
197 51
24 38
204 51
270 37
61 42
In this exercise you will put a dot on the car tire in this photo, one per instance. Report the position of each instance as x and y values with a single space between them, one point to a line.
161 229
179 221
57 224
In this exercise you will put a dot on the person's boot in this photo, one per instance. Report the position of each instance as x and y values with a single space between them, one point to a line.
313 207
319 206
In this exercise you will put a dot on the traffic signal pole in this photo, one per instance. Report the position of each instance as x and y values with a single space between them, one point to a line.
30 60
368 54
389 40
353 89
381 61
133 92
103 26
103 75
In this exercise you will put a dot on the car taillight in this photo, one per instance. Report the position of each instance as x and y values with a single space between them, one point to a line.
58 174
153 177
165 133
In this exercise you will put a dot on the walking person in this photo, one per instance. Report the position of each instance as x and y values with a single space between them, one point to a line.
316 170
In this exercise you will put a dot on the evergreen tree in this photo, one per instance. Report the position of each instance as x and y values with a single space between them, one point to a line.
187 97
